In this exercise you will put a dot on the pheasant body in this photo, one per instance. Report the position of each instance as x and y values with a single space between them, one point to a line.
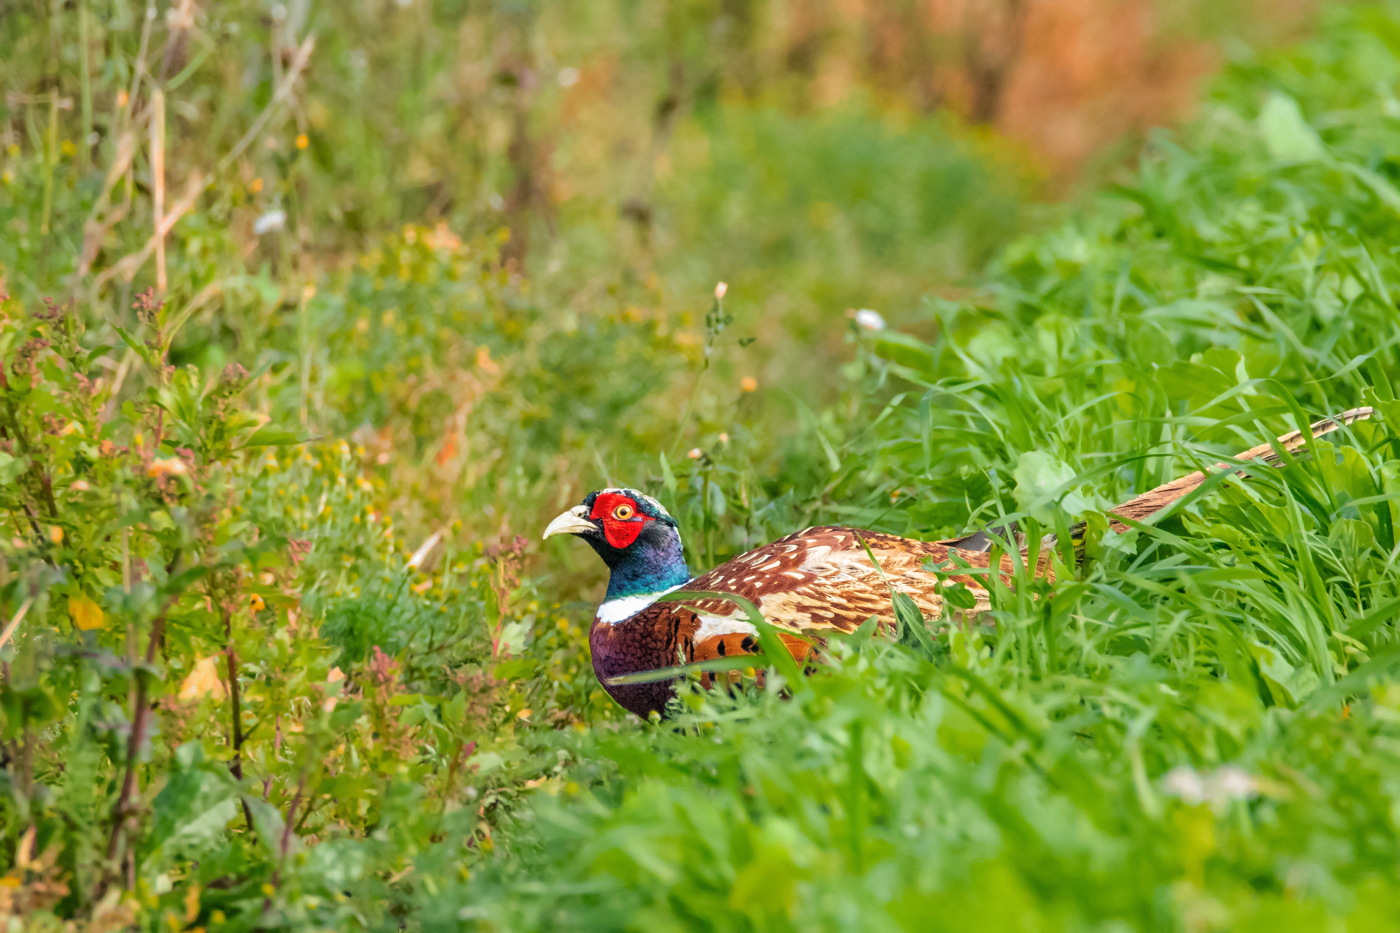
808 585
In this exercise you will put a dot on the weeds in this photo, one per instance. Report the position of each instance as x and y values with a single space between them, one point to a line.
278 652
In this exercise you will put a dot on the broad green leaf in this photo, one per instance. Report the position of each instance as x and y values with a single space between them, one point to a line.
271 437
1287 136
1041 478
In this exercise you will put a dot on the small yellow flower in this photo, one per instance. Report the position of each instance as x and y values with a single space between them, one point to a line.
302 141
695 453
255 185
256 602
121 102
523 714
55 534
748 384
67 148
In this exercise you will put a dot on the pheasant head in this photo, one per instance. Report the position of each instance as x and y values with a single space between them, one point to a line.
635 536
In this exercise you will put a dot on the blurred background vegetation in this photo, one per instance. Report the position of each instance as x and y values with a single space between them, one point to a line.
314 308
611 161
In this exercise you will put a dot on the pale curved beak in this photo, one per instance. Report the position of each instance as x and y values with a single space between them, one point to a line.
573 522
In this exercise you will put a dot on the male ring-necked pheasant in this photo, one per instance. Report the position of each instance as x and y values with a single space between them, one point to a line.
810 583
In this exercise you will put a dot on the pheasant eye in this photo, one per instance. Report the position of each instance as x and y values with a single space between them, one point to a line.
622 513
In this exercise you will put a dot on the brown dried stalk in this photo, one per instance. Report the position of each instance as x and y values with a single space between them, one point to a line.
158 176
129 265
14 622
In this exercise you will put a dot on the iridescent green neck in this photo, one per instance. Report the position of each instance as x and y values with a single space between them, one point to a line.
654 564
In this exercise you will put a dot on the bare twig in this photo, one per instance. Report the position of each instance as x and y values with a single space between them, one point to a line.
289 827
158 178
94 230
122 369
141 714
140 70
50 163
14 623
284 89
235 764
131 264
62 103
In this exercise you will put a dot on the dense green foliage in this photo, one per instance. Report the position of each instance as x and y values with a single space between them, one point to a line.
275 657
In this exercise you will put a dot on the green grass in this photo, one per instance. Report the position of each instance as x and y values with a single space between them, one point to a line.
1196 729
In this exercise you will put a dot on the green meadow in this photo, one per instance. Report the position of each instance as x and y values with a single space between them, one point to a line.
313 315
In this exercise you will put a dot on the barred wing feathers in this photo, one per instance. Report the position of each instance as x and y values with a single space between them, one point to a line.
810 584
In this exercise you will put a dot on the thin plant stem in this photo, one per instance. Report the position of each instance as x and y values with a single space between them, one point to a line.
50 162
85 40
158 184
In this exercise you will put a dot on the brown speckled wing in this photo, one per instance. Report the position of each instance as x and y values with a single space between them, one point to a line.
816 581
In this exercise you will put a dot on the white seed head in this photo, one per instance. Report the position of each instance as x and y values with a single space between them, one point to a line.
870 320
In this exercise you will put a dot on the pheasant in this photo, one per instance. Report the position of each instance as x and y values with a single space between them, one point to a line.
807 585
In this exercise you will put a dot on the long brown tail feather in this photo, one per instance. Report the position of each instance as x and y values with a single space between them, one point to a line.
1140 507
1149 503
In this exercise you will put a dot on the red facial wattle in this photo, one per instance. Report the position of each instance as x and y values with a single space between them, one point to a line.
620 532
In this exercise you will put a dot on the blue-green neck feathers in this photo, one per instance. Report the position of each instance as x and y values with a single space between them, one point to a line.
656 562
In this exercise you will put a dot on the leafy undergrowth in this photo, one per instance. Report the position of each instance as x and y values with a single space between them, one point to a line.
1196 729
258 675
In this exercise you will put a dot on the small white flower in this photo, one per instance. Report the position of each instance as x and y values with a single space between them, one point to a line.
870 320
1236 783
1183 781
270 222
720 289
695 453
568 77
1217 788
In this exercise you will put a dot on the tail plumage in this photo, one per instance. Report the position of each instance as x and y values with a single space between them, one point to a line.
1149 503
1153 501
